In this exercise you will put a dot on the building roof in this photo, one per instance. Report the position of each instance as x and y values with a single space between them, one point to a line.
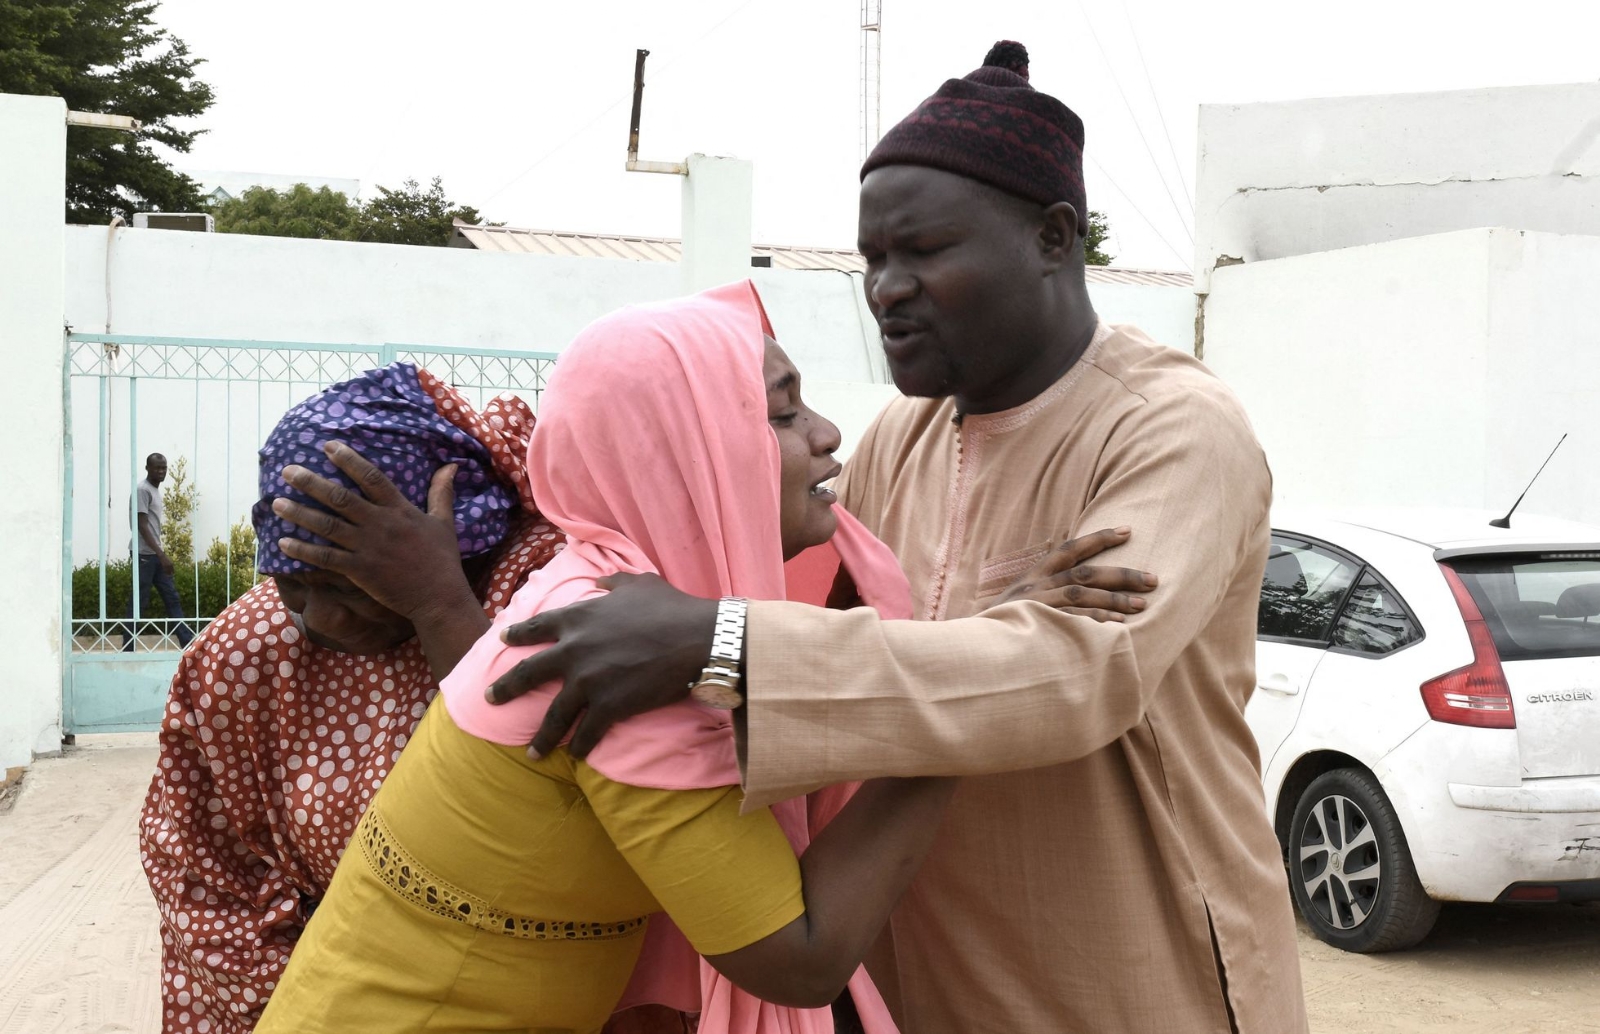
668 249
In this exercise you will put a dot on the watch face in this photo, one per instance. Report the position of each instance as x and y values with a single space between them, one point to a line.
717 693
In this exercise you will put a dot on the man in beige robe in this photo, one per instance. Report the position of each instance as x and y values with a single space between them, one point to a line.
1108 865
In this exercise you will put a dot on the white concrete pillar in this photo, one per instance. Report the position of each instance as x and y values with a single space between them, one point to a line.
716 221
33 184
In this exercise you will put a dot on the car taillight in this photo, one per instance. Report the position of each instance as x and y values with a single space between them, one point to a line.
1478 694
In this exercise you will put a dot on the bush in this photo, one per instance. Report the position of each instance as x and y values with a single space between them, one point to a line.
212 577
86 589
240 550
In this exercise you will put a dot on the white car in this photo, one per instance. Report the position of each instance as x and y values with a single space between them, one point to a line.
1428 712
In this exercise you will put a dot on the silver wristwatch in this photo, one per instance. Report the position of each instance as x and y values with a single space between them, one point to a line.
718 685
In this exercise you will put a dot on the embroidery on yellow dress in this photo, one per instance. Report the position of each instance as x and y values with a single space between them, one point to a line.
414 882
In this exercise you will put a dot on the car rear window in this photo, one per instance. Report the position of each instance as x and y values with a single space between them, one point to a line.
1537 606
1374 619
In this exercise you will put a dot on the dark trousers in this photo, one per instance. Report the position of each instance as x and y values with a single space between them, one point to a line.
150 573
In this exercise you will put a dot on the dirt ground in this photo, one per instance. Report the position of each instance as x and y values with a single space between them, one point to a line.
78 943
79 948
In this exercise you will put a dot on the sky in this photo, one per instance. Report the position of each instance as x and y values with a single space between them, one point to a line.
522 105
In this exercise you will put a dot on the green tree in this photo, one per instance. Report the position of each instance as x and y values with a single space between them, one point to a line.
409 215
109 56
412 215
1094 252
323 214
242 545
179 498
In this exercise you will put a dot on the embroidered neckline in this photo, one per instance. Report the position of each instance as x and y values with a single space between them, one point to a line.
971 432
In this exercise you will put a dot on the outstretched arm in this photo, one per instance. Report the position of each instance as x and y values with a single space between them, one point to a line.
789 932
855 873
1018 686
639 646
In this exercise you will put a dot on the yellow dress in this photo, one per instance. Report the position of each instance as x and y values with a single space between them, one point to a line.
484 891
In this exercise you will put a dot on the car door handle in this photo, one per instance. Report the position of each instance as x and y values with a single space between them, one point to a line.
1279 683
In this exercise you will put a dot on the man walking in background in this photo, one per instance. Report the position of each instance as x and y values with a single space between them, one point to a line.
153 565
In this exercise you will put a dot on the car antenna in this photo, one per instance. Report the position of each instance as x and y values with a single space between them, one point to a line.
1505 522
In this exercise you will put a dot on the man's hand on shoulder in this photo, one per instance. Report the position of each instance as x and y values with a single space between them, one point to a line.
641 645
632 650
1064 580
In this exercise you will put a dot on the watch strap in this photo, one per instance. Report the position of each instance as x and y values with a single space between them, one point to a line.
719 682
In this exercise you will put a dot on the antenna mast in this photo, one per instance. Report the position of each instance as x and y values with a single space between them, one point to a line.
871 73
1505 522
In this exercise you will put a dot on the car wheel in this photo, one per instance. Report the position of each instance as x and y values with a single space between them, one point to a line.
1350 869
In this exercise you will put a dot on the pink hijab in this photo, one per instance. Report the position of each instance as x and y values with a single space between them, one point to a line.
653 454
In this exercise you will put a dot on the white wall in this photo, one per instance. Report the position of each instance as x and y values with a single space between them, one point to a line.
851 406
821 318
1164 313
715 206
1543 378
1434 371
222 285
1296 177
32 200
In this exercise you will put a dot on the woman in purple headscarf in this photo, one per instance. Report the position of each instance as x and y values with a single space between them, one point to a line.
291 707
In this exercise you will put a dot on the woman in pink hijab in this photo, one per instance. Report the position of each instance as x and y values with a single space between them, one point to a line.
489 890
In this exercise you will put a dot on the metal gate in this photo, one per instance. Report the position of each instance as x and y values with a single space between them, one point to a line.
209 403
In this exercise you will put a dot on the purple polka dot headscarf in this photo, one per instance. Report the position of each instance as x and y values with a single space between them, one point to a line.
389 418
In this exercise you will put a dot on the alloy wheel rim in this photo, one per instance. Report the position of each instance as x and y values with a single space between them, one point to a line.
1340 867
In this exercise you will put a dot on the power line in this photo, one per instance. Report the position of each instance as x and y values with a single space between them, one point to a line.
625 98
1176 166
1186 262
1135 118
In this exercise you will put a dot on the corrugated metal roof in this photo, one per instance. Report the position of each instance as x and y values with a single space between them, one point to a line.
1145 277
667 249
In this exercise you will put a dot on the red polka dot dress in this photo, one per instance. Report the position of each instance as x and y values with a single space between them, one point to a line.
271 748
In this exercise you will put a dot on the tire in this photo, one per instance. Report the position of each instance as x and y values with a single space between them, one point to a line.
1350 868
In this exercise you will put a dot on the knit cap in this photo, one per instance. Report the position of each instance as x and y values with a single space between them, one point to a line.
992 126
